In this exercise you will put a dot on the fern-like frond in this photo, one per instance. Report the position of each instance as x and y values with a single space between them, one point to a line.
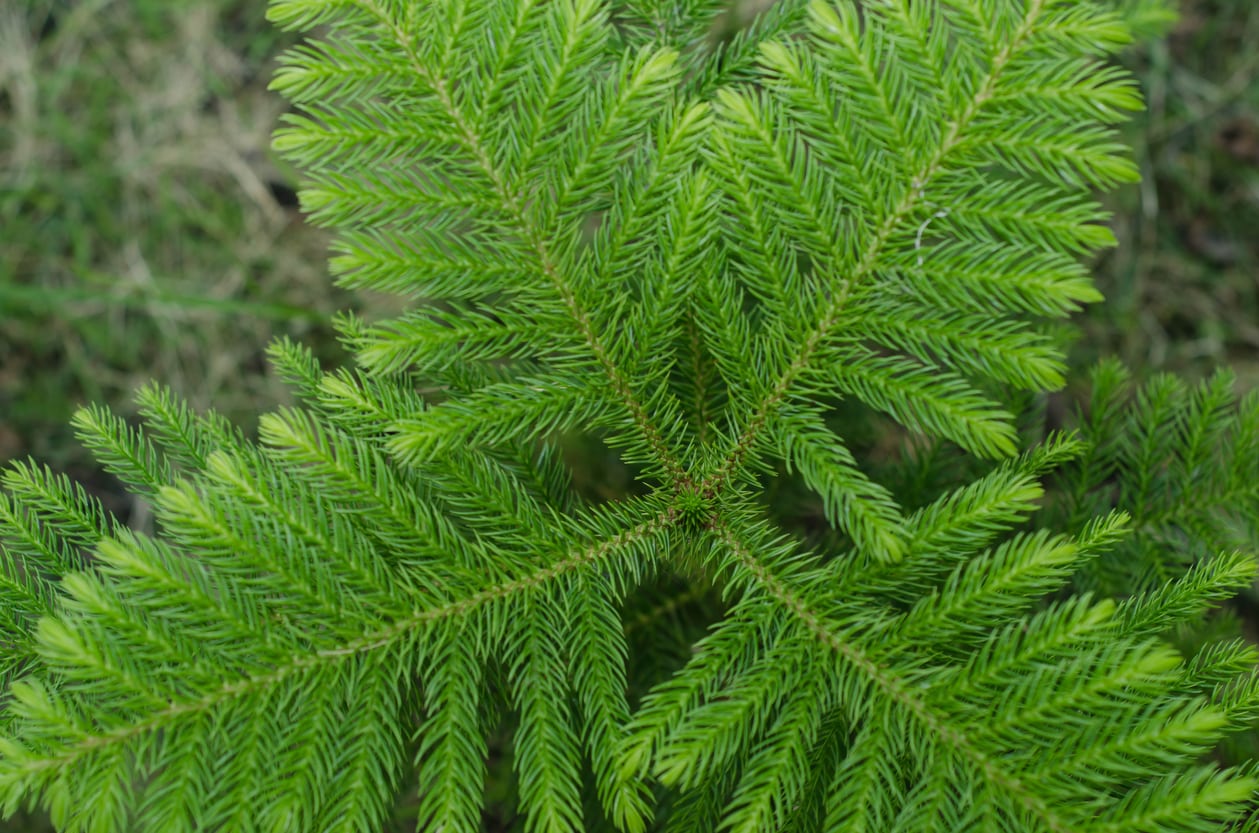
1183 461
934 149
285 630
853 502
755 268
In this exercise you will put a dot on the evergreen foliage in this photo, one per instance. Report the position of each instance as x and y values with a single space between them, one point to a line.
1181 460
731 262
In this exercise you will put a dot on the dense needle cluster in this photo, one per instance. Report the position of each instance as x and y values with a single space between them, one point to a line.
730 262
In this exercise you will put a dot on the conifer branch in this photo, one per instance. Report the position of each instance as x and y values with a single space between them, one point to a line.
536 239
746 437
895 689
722 263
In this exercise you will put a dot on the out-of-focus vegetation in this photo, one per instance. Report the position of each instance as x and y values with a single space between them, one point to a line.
147 232
1182 289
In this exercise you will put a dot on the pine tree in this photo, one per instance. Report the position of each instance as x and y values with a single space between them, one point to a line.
744 265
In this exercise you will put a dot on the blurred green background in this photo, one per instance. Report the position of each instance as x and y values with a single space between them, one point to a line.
147 231
1182 288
